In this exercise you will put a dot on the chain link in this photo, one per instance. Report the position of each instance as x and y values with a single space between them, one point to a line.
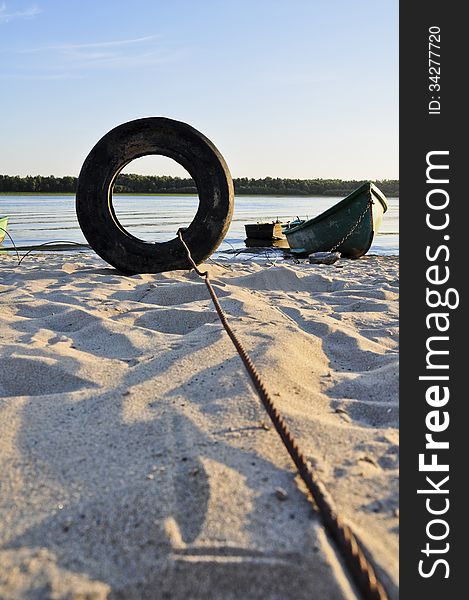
360 219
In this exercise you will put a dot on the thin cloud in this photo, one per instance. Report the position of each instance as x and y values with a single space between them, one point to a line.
108 54
27 13
80 58
111 44
43 77
118 61
91 45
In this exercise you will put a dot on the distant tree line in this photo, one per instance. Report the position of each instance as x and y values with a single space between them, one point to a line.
308 187
38 183
149 184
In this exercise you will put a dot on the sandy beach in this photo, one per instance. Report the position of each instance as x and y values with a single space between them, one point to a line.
136 460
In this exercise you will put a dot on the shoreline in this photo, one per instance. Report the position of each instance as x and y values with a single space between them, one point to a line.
72 194
136 455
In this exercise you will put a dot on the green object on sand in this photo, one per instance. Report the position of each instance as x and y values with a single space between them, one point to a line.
347 227
3 228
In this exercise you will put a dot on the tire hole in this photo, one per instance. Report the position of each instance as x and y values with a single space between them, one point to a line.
151 209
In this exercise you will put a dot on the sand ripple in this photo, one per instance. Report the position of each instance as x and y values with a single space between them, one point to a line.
135 458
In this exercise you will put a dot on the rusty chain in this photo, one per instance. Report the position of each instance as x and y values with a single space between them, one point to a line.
359 220
361 569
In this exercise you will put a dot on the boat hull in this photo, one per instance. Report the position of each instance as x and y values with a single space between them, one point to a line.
264 231
3 227
348 227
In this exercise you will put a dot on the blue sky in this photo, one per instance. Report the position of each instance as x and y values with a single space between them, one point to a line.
292 88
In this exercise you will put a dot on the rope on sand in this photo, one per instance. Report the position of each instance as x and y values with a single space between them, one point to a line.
360 567
38 247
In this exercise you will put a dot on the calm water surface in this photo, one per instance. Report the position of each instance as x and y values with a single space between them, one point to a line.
38 219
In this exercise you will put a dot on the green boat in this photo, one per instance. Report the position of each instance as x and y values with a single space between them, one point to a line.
3 228
347 227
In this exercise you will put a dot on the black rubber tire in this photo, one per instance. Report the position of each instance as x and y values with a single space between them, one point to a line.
188 147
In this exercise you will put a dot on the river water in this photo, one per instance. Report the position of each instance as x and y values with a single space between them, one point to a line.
35 219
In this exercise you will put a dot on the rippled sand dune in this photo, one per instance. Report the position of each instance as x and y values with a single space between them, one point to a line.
136 460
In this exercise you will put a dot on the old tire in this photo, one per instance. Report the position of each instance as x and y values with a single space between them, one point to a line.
187 146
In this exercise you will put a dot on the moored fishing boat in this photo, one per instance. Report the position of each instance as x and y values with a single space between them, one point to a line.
3 228
347 227
264 231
